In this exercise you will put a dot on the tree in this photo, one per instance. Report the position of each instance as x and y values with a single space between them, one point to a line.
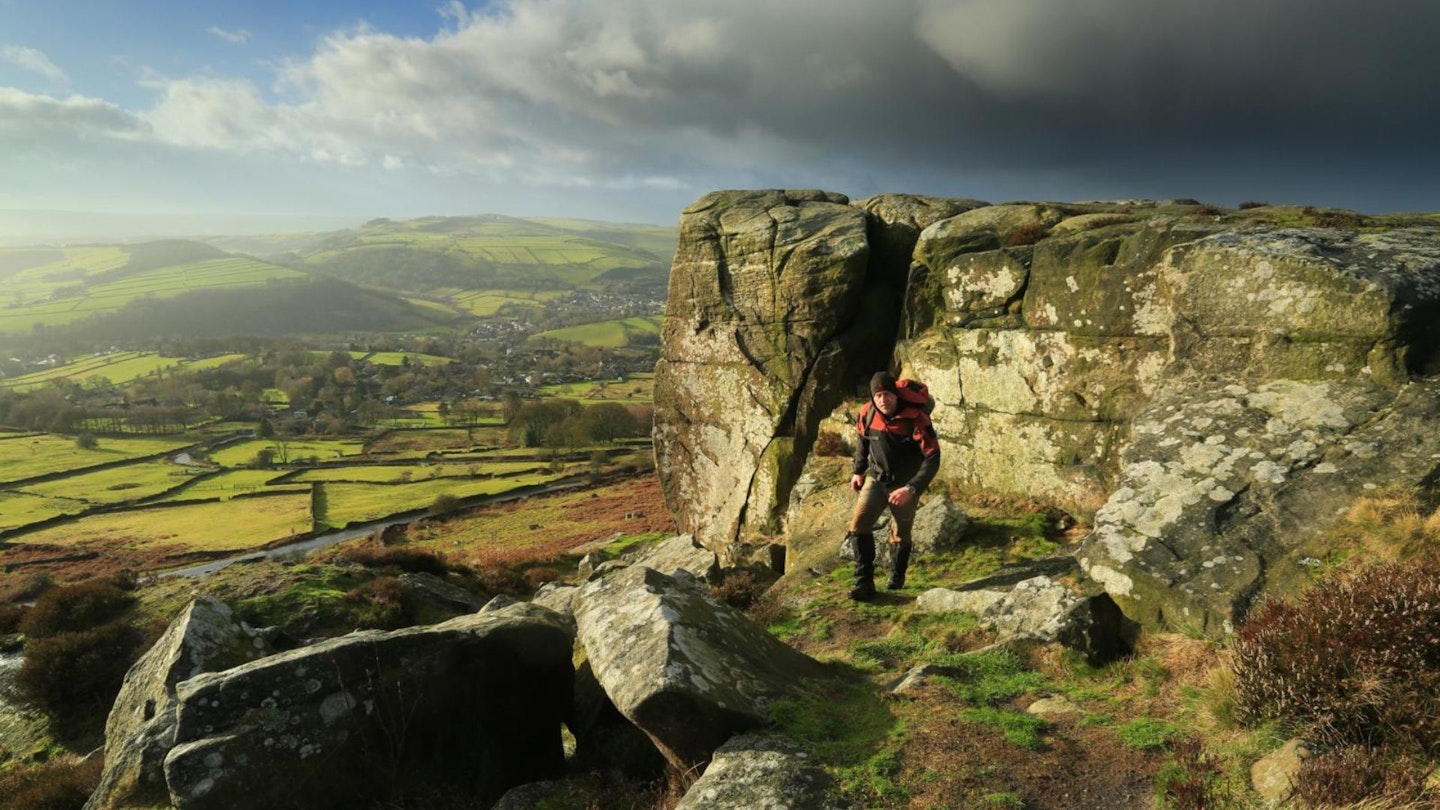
510 405
87 441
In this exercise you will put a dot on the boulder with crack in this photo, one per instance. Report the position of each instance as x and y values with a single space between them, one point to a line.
689 671
474 703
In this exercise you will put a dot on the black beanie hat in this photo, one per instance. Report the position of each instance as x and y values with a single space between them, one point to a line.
882 381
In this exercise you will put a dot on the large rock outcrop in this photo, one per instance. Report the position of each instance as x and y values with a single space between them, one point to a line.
1211 387
775 307
475 703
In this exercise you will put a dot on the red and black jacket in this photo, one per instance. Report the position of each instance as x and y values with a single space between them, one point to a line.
897 450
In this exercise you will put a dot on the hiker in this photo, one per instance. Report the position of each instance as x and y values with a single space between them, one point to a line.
897 457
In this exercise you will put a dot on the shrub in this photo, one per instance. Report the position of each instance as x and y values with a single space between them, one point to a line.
1332 218
829 443
1248 204
75 608
10 618
541 574
1353 660
444 504
381 603
739 589
1193 780
73 676
1353 774
414 560
64 784
1027 234
24 588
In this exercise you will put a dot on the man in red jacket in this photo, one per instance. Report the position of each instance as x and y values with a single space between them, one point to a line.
895 460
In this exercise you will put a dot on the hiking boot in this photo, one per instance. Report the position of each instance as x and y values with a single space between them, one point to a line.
863 591
864 567
898 566
895 583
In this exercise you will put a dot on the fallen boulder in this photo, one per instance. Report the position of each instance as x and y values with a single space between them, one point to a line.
474 703
689 671
762 772
140 731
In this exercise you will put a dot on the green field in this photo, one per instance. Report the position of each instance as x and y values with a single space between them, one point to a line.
117 367
233 483
606 334
358 503
635 389
239 525
64 304
485 303
399 358
115 484
46 454
242 453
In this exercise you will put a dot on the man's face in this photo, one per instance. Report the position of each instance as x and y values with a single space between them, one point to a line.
885 401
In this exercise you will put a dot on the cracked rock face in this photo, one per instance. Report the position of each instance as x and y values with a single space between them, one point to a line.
1221 488
762 291
690 672
476 702
205 637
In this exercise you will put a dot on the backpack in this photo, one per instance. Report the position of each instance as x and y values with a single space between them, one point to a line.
915 394
912 393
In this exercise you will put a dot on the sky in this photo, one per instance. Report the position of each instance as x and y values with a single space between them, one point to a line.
151 116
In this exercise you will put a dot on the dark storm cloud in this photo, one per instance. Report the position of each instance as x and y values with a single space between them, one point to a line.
1312 101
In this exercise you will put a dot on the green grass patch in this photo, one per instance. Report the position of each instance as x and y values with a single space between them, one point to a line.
232 484
988 678
240 524
357 503
1018 728
242 453
19 509
49 453
401 358
606 334
1148 733
116 484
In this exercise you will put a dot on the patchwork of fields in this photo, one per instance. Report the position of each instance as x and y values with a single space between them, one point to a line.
119 498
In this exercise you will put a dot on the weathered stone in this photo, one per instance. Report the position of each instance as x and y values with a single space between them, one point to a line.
1273 775
1053 336
945 600
605 741
682 553
762 772
436 590
559 597
1224 485
763 334
140 731
475 703
689 671
1052 706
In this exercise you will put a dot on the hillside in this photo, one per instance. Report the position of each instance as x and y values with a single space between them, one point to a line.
493 252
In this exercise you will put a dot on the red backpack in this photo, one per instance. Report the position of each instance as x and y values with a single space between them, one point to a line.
915 394
912 394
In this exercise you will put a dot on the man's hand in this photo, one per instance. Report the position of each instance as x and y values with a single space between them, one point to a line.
857 481
901 497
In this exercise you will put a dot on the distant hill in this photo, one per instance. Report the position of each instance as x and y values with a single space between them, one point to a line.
121 292
305 305
479 253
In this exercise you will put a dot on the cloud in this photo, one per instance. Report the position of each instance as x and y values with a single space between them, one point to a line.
42 122
988 98
34 61
239 37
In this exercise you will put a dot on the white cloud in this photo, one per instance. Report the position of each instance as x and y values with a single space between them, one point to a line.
41 121
34 61
239 37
